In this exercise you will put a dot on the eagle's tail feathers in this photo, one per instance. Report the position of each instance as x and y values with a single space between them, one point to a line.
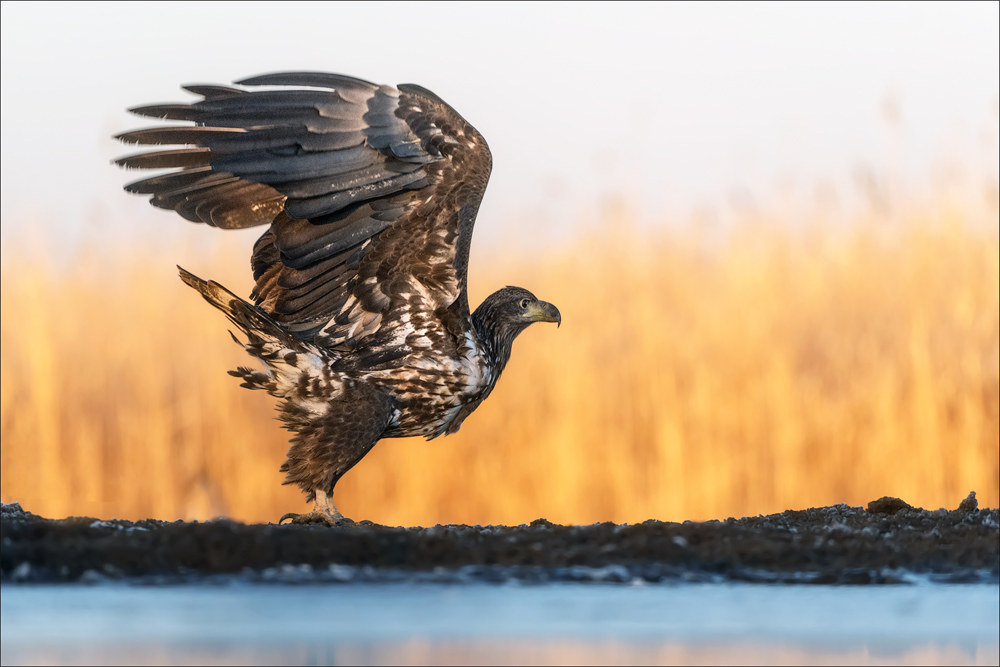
282 354
250 319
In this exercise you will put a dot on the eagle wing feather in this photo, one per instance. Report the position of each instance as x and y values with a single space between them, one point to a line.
371 193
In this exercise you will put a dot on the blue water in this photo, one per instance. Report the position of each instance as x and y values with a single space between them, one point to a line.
408 623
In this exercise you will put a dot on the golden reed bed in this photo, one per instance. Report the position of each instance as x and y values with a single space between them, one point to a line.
692 379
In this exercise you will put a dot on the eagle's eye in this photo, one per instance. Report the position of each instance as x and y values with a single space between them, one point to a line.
524 303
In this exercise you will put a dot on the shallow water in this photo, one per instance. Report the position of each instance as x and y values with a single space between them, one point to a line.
481 623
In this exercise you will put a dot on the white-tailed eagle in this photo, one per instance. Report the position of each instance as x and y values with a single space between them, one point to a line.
360 313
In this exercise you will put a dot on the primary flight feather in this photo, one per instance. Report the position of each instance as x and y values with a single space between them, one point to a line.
360 313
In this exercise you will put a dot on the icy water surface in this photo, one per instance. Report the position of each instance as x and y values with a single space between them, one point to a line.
366 623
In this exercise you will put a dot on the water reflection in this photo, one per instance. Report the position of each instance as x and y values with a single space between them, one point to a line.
510 624
527 652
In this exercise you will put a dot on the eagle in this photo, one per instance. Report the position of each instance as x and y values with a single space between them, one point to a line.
360 311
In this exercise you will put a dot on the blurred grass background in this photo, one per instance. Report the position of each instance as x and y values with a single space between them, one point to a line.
695 376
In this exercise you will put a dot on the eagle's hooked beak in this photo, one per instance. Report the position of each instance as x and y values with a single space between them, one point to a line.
541 311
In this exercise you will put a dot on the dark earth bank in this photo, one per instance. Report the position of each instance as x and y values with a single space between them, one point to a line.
887 542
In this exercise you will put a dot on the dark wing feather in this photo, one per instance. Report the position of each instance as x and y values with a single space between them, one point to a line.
371 192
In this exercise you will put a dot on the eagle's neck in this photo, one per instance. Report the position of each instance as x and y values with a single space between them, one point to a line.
495 340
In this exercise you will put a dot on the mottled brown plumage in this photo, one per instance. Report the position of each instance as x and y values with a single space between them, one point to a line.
360 312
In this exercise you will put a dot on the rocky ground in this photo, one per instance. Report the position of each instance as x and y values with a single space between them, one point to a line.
887 542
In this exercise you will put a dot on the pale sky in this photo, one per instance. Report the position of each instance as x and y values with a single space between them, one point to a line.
671 108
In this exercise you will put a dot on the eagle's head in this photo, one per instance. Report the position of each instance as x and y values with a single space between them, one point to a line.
506 313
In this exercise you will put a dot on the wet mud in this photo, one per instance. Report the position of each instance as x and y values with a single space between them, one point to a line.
888 541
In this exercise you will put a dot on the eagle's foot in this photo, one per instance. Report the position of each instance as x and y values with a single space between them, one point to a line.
316 517
324 512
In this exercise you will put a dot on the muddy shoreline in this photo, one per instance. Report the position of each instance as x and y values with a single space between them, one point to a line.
886 542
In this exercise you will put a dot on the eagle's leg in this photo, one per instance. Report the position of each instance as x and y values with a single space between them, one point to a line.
326 446
324 511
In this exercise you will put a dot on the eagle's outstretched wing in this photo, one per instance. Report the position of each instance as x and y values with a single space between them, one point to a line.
371 192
